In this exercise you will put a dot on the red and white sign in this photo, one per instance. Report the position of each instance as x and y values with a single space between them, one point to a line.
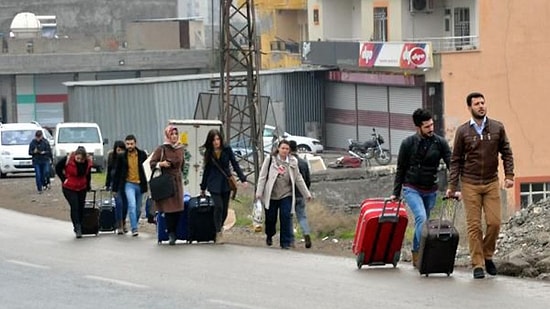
395 55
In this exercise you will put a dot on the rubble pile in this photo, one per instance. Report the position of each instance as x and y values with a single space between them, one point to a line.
523 247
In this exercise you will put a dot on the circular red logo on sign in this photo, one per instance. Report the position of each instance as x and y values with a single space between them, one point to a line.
417 56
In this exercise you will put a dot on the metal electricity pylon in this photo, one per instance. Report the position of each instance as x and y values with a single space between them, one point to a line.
239 70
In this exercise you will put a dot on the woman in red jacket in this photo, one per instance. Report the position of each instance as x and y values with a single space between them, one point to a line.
75 174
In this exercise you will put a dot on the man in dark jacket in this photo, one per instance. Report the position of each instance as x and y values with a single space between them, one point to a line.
300 207
417 166
41 153
475 163
130 179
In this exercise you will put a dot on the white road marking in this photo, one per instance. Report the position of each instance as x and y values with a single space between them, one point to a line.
28 264
116 281
233 304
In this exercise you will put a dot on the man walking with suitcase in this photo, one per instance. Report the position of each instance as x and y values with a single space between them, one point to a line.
475 162
417 166
130 179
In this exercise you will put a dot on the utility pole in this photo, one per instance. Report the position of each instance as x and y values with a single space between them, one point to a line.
239 53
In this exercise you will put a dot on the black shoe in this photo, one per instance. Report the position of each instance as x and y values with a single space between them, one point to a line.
172 239
78 231
490 267
269 241
285 247
479 273
308 241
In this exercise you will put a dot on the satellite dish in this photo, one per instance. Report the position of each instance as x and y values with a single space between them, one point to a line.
25 25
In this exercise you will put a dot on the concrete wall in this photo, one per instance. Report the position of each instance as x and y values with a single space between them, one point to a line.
510 68
105 61
145 35
98 19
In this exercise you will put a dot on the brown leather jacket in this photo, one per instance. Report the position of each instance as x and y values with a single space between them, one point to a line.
475 158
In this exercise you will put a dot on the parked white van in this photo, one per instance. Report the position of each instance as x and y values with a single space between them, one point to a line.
14 146
69 135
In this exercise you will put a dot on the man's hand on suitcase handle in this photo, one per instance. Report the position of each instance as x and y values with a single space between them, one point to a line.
452 195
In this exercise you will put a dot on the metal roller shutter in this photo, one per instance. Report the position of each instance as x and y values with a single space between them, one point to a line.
340 114
403 102
372 105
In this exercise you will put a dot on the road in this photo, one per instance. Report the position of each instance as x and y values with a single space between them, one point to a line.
43 266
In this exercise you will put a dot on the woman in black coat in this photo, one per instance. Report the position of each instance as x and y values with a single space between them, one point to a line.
217 158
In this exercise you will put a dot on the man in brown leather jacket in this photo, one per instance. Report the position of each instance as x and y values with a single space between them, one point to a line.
475 162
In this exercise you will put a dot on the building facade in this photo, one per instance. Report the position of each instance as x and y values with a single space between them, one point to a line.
496 47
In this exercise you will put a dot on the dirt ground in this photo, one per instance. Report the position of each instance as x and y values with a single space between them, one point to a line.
19 193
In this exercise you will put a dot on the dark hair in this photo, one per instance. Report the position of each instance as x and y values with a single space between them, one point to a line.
283 141
38 133
420 115
112 155
473 95
80 150
130 137
209 144
293 146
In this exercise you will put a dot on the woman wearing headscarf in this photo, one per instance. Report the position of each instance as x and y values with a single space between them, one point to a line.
169 158
75 174
217 160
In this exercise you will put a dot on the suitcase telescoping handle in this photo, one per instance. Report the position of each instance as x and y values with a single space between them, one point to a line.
448 199
385 217
94 195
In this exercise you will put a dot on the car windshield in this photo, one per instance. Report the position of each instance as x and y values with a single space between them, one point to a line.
78 135
17 137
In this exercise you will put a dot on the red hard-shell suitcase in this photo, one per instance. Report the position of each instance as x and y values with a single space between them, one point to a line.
380 231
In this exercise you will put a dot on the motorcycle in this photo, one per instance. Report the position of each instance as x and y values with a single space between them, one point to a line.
370 149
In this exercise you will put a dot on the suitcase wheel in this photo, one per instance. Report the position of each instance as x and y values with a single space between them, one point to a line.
396 258
360 259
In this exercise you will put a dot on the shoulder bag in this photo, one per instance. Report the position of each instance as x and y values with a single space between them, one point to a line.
231 180
161 184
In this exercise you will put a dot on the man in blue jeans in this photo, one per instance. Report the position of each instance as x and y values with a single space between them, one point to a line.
130 179
417 166
41 153
300 206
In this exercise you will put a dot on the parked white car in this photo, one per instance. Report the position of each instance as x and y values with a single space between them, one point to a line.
69 135
305 144
14 146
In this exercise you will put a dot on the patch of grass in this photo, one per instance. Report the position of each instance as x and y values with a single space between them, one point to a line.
242 206
325 222
98 180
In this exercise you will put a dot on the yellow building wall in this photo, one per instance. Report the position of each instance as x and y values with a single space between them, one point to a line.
512 69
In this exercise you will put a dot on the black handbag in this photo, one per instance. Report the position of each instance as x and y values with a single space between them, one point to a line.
161 184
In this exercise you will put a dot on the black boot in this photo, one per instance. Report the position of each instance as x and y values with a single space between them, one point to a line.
172 239
78 231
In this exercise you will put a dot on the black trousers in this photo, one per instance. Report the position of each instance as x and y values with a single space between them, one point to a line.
76 200
172 219
221 204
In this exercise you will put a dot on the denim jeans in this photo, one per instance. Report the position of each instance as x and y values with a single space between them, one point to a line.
41 171
284 206
420 204
133 197
121 207
301 215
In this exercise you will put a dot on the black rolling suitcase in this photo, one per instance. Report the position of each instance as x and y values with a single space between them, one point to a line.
201 219
438 244
107 217
90 216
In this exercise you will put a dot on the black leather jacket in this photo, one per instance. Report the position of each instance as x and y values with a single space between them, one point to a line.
418 166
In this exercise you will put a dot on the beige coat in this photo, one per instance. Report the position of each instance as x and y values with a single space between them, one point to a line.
265 186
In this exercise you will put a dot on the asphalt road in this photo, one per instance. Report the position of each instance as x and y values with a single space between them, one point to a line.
43 266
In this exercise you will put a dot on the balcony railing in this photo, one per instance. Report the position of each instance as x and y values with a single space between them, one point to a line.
450 43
